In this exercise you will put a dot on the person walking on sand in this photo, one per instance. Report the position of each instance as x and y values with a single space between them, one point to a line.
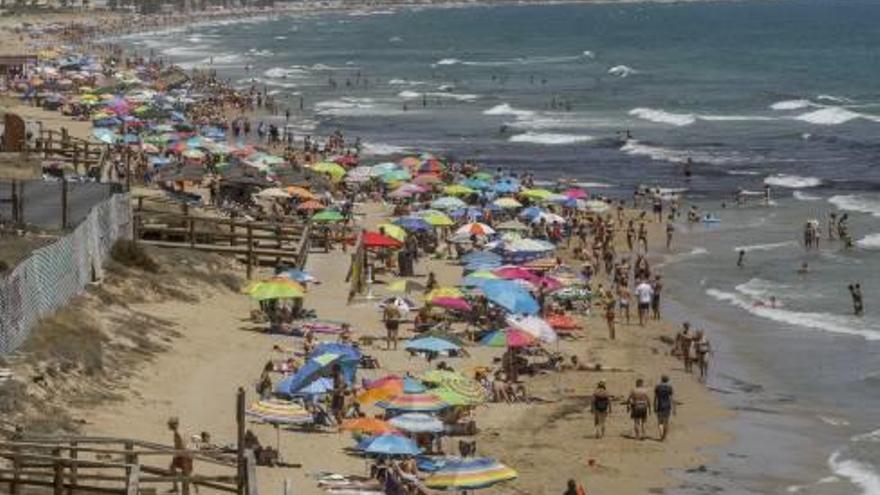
180 461
664 406
645 294
639 407
855 291
601 407
683 341
657 288
610 315
702 350
391 318
670 229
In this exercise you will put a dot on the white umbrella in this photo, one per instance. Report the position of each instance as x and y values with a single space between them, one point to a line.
548 218
417 423
534 326
273 192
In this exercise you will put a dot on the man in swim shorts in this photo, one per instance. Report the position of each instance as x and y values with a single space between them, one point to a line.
639 408
663 405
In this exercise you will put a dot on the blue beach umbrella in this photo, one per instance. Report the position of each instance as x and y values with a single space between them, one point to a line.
475 184
470 212
431 344
480 256
309 372
448 203
413 386
531 212
510 296
412 224
320 386
389 445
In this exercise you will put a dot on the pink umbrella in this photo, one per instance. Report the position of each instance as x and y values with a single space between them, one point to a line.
512 272
575 193
455 303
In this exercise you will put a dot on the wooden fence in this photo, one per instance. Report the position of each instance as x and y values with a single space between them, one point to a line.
59 145
254 243
87 465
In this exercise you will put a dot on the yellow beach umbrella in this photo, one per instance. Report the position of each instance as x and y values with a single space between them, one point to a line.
444 292
393 231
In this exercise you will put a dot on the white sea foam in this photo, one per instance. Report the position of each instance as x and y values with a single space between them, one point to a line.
664 117
835 99
395 39
281 38
384 149
765 247
743 172
792 181
833 422
847 325
405 82
791 104
506 109
857 203
861 474
448 61
355 107
659 153
412 95
802 196
622 71
834 116
549 138
535 60
870 241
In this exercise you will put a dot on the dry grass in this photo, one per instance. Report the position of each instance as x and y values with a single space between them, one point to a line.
83 354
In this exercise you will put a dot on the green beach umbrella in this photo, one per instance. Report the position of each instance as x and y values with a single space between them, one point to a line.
267 292
327 216
541 194
457 190
396 176
334 170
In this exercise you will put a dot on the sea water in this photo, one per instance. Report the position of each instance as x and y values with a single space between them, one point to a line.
755 93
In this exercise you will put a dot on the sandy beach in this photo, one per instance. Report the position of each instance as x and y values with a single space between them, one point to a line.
215 348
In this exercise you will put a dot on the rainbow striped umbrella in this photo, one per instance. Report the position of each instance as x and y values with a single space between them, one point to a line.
426 402
509 337
470 473
279 412
455 388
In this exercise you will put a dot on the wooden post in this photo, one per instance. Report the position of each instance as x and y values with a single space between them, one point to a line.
20 203
16 474
75 153
127 169
278 236
63 203
192 233
130 458
132 481
140 203
58 464
74 455
251 463
250 250
239 421
232 228
14 201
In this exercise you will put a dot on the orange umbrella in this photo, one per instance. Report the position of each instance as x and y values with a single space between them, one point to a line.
372 426
310 205
387 390
301 193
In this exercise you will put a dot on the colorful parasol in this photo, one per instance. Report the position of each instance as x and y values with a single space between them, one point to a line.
469 473
424 402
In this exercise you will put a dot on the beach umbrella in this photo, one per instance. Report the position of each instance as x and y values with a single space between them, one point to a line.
438 220
427 179
334 170
507 202
392 231
359 174
306 374
596 206
469 212
423 402
320 386
268 292
547 217
475 183
562 322
410 161
299 275
512 226
456 389
377 240
456 399
380 393
458 190
405 305
469 474
389 445
534 326
475 228
413 386
506 186
194 154
447 203
509 337
277 412
383 168
575 193
431 344
265 284
310 205
396 176
431 166
273 193
413 224
327 216
301 193
510 296
528 246
371 426
404 285
443 292
537 194
417 423
453 303
531 212
480 256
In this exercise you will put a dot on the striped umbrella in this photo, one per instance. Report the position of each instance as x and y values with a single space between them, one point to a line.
470 473
417 423
425 402
372 426
509 337
279 412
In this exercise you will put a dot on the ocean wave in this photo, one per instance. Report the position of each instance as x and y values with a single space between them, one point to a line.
860 473
395 39
659 153
535 60
765 247
383 149
664 117
679 257
792 181
622 71
870 241
846 325
743 172
355 107
283 73
549 138
791 104
802 196
857 203
412 95
835 99
448 61
834 116
405 82
506 109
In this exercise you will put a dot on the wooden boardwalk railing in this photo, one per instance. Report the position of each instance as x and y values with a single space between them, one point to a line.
61 146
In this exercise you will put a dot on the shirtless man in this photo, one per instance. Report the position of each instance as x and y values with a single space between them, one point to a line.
643 236
601 407
858 305
702 350
683 341
639 408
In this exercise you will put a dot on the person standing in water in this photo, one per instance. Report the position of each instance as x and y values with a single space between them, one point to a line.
855 291
741 260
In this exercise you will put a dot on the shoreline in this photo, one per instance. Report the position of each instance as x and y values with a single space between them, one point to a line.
621 480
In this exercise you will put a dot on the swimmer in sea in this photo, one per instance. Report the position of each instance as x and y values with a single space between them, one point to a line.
741 259
804 269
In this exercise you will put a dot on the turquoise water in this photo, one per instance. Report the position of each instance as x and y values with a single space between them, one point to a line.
783 93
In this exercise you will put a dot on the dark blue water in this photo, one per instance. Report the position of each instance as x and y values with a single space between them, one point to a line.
784 93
